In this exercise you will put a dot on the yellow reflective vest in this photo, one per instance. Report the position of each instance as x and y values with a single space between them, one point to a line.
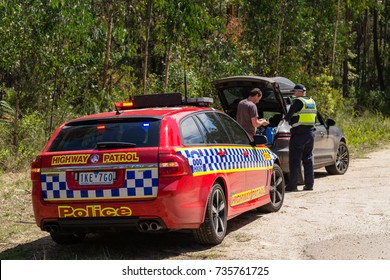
308 113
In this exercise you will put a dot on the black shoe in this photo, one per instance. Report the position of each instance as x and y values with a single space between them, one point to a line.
307 188
291 190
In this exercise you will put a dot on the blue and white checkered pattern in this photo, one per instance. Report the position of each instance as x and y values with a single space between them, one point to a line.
138 184
209 160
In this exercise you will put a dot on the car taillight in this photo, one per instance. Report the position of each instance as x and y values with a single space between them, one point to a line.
36 169
173 165
283 136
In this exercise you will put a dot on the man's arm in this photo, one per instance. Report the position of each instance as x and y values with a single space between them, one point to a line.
295 107
259 122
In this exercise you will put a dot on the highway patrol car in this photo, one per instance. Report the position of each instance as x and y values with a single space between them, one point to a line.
156 163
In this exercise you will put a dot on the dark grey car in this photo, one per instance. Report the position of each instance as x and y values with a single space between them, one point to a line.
330 146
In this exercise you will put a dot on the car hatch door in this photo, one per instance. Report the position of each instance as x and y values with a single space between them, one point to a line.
232 90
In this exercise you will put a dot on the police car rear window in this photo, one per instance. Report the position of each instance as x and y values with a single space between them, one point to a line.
110 134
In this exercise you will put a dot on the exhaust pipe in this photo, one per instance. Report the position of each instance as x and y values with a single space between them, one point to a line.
149 225
155 226
51 228
144 226
47 228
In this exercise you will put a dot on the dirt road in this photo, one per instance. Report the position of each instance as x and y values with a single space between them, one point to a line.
345 217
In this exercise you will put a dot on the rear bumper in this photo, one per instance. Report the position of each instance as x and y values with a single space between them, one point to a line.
86 225
179 205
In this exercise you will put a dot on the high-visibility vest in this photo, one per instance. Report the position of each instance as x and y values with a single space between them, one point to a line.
308 113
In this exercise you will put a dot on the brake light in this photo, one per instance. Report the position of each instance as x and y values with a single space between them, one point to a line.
101 127
36 169
283 136
173 165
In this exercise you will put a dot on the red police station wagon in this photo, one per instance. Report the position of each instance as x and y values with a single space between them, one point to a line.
171 167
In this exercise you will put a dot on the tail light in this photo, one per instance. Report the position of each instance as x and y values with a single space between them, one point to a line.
283 136
36 169
173 165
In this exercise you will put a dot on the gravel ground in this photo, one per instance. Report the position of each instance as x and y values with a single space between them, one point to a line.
345 218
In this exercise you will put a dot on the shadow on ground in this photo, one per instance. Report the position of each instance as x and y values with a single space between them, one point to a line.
129 245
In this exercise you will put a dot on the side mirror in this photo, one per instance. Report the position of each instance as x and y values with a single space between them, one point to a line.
330 122
259 140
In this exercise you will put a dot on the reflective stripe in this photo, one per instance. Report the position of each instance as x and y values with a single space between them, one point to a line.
308 113
139 183
207 160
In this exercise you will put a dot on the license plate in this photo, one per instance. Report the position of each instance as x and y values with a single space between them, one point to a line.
96 178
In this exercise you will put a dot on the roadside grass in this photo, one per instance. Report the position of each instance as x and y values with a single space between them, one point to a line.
17 220
364 134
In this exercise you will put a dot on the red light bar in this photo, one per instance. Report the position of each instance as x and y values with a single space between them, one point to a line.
124 105
161 100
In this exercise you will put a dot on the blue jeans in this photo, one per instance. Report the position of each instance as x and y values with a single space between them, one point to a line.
301 149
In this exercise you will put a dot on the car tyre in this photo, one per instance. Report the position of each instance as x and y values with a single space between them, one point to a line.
213 230
342 161
67 238
277 191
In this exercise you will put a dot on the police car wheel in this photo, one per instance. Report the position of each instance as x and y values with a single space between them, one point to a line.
67 238
277 191
213 230
342 161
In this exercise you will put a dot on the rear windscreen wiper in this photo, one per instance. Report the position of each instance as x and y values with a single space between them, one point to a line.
114 145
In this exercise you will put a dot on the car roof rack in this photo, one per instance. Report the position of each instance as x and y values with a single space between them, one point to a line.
162 100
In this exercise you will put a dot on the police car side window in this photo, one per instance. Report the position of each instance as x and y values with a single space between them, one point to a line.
236 132
216 133
190 132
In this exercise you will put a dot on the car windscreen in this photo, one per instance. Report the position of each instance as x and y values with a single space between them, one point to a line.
139 132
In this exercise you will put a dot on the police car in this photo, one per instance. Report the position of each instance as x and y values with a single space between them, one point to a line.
156 163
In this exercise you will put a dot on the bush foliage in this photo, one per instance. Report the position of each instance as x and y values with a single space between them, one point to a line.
62 59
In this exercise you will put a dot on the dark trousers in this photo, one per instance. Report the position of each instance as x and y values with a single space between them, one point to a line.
301 149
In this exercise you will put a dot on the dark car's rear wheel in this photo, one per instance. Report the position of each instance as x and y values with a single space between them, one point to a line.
276 192
341 162
213 230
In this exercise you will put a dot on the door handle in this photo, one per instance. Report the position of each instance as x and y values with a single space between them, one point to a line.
246 154
222 153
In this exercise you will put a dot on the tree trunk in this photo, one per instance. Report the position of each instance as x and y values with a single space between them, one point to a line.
15 138
335 39
364 60
146 53
346 58
108 45
279 43
377 56
167 62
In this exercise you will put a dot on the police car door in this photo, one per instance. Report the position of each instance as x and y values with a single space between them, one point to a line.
250 163
222 155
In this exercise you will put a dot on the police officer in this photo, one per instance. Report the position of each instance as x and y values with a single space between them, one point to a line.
301 116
